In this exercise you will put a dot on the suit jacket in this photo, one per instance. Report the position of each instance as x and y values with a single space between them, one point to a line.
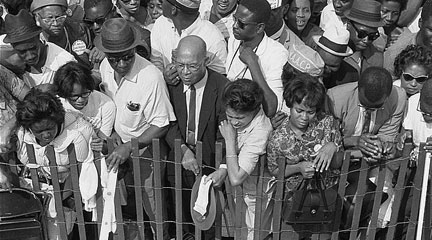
211 114
343 102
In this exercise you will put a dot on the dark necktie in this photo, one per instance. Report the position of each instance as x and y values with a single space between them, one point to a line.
191 122
367 121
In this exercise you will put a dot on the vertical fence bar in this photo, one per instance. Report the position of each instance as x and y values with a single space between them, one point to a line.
199 160
178 189
57 192
136 162
341 192
33 171
259 207
99 195
157 178
218 219
76 191
239 213
231 205
429 226
280 188
358 198
416 193
377 201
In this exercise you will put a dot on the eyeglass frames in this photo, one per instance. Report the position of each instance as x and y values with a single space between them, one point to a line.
420 79
423 113
82 95
192 67
362 34
127 57
242 24
99 20
51 20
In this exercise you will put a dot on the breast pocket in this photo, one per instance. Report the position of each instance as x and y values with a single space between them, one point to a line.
130 118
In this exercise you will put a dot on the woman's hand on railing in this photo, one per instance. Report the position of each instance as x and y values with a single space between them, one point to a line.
307 169
324 157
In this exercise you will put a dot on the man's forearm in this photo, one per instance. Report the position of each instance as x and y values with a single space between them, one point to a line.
151 133
270 100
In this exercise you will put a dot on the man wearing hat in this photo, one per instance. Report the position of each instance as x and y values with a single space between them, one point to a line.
332 15
42 59
276 28
52 17
364 19
181 18
141 96
423 37
332 46
253 55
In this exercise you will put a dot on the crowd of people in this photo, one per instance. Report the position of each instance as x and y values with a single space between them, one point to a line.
302 80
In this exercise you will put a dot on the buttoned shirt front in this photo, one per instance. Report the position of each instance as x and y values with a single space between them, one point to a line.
272 56
199 88
141 98
165 38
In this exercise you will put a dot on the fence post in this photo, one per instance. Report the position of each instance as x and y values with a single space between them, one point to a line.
218 192
178 189
277 210
259 207
377 202
358 199
33 171
137 186
199 160
157 178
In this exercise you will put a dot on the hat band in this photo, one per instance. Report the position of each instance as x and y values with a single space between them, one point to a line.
24 30
120 43
182 7
367 16
339 48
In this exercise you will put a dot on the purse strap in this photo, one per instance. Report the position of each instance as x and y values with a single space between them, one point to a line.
316 192
320 186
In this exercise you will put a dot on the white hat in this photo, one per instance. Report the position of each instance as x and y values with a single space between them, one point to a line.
335 41
275 3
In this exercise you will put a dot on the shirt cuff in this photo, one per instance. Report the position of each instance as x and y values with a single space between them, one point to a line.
223 166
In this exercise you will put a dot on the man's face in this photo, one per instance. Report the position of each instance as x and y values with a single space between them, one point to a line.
122 62
224 6
299 14
191 67
155 9
341 6
97 15
244 27
131 6
332 62
426 32
362 35
390 12
51 19
29 50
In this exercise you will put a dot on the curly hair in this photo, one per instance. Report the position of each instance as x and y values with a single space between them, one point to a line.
305 89
73 73
37 106
243 95
413 54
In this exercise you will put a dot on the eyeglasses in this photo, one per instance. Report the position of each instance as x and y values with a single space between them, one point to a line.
192 67
82 95
99 20
242 24
370 108
362 34
50 20
125 58
420 79
423 113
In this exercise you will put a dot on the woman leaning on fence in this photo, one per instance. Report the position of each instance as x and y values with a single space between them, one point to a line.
308 140
43 122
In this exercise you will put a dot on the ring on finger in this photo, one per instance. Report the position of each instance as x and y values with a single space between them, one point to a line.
366 144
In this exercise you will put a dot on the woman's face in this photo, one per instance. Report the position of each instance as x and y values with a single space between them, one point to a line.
224 6
237 119
44 131
155 9
413 86
299 14
79 97
390 12
301 116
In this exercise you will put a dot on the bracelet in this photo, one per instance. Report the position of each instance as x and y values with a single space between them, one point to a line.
231 156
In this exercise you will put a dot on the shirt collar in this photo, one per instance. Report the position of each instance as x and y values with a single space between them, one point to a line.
200 84
192 27
136 68
262 46
278 34
255 121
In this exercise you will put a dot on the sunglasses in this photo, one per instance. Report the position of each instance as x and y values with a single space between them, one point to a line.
242 24
99 20
82 95
420 79
125 58
423 113
362 34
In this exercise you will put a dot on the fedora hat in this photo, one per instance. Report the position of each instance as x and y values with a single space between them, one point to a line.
117 35
20 27
203 222
366 12
335 41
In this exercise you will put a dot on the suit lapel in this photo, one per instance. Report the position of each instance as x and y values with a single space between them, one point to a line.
207 106
179 103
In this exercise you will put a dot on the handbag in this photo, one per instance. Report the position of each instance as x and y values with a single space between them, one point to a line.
312 203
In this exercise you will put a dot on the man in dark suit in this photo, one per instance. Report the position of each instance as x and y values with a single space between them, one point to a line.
197 103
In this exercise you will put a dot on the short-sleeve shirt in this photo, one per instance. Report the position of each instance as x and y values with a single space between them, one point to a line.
272 57
141 98
100 111
164 38
414 121
56 57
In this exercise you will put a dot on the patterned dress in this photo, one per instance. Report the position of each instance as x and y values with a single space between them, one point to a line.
283 142
10 89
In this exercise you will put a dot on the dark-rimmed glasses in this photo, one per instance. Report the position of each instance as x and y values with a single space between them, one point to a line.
50 20
420 79
193 67
242 24
125 58
99 20
423 113
82 95
362 33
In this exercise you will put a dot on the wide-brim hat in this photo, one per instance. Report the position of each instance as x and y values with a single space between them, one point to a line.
203 222
336 49
366 12
117 35
20 27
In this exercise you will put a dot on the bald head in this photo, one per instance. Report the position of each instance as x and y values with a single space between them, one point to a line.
190 59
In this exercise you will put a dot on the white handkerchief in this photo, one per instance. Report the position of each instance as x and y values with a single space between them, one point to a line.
203 196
